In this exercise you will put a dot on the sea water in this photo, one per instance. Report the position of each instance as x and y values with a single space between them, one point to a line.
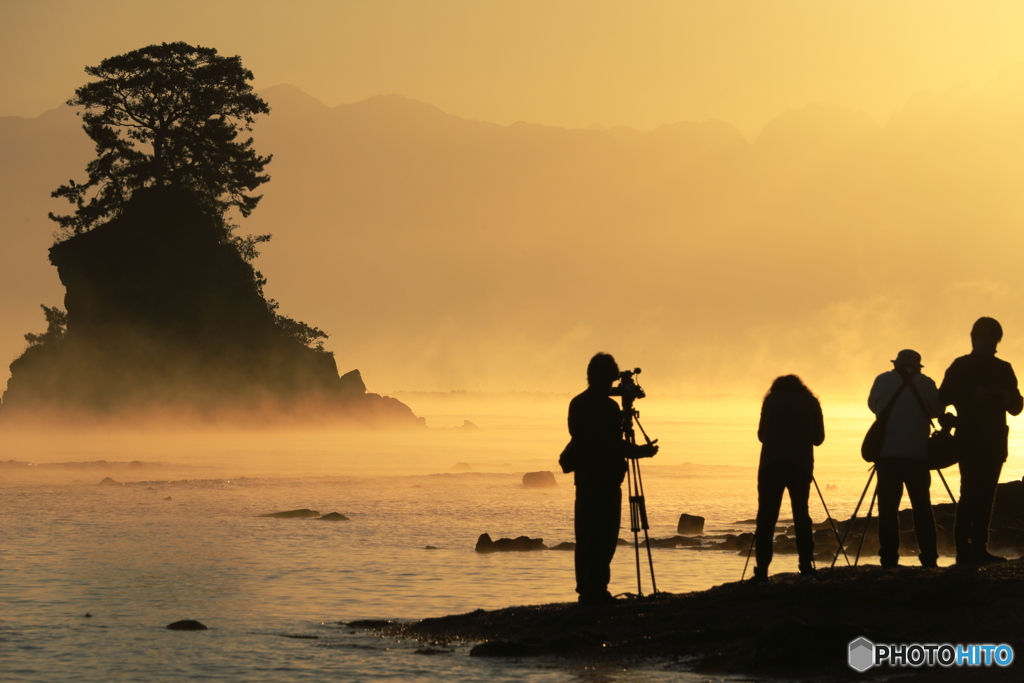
178 536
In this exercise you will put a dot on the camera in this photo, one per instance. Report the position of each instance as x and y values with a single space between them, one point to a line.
627 388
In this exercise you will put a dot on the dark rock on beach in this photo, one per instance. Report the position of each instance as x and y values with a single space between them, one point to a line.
539 480
370 623
187 625
484 544
791 627
304 513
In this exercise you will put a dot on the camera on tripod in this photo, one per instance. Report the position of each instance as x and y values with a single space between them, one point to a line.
628 389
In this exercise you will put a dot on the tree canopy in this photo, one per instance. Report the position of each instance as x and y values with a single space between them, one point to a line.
167 114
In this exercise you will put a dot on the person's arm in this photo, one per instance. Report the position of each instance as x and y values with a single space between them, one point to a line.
948 393
875 397
1014 401
819 425
762 424
930 394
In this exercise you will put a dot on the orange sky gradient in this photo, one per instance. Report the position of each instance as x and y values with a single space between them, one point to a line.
836 182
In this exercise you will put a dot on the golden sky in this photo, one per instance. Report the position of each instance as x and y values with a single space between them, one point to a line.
567 62
861 196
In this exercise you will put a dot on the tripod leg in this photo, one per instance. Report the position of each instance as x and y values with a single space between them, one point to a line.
831 522
867 523
842 543
948 490
644 525
751 550
634 525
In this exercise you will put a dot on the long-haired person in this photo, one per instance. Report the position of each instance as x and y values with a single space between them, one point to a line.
791 426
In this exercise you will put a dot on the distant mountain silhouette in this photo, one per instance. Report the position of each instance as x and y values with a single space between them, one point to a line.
434 246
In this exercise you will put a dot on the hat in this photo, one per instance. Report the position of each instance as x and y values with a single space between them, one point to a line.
908 358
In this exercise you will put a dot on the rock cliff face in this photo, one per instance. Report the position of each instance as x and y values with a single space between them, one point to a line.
163 311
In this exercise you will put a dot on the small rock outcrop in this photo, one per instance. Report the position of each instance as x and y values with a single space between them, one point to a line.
187 625
304 513
484 544
107 481
674 542
690 524
539 480
334 517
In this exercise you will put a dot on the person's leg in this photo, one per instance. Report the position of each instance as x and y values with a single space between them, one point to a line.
890 491
770 485
799 485
971 478
988 480
609 541
598 515
919 479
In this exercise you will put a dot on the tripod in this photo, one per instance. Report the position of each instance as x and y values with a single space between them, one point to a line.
635 488
867 520
831 522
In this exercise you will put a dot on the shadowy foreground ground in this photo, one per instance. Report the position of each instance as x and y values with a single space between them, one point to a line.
792 628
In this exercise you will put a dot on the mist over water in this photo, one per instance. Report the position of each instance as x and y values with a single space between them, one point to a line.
137 561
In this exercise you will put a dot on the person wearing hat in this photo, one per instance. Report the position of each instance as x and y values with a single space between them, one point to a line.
903 459
983 389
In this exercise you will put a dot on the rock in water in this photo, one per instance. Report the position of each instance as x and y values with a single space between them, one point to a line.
539 480
335 517
304 513
690 524
187 625
484 544
107 481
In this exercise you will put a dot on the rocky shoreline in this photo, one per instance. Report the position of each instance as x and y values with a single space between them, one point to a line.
792 627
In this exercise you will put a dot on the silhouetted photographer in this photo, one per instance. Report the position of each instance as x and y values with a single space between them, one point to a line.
911 400
983 389
791 426
597 454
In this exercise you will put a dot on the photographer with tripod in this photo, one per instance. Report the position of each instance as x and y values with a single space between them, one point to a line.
597 454
910 399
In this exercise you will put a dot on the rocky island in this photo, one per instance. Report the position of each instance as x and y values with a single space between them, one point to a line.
165 313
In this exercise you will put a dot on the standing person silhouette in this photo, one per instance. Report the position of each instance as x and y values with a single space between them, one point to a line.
983 389
903 460
595 424
791 426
